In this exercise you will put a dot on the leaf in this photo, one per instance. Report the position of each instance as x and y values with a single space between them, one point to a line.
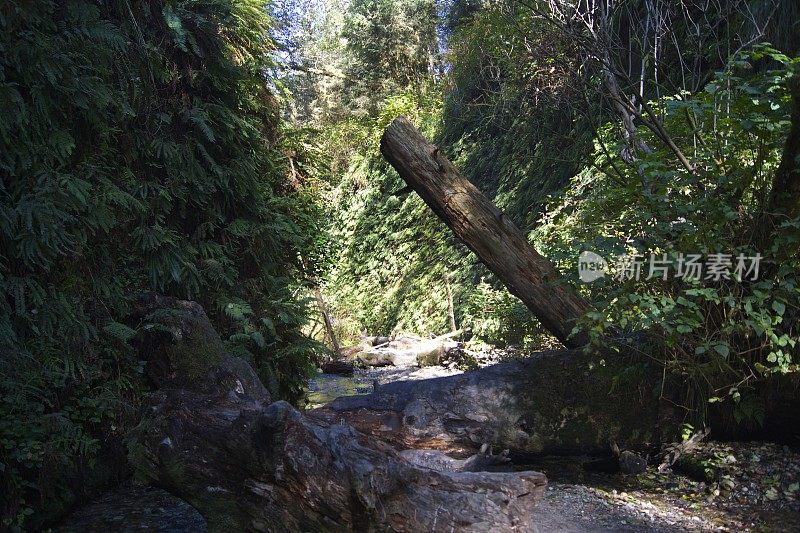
722 349
119 331
258 338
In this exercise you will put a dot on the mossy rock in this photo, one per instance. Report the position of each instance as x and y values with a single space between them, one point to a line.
432 357
177 341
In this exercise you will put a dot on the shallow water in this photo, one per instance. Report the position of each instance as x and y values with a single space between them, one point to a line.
325 388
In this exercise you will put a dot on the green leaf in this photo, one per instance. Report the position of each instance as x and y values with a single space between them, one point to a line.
258 338
722 349
119 331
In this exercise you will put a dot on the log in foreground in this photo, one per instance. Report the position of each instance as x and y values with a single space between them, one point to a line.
556 402
494 238
213 438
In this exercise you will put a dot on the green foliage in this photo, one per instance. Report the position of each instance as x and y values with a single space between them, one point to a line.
392 44
512 118
389 272
519 118
139 151
496 317
720 337
343 58
392 253
523 115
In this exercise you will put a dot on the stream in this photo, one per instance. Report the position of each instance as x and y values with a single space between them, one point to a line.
325 388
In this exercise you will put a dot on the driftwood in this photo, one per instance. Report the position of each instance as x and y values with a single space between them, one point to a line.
494 238
404 351
677 450
438 460
212 437
554 402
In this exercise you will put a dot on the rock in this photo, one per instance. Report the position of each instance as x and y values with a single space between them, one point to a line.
343 368
550 403
632 463
430 355
212 437
181 349
378 341
375 358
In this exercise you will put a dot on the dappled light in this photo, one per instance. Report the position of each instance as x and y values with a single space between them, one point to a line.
399 265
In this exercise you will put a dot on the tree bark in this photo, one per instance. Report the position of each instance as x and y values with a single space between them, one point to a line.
212 437
248 465
323 309
494 238
785 195
558 402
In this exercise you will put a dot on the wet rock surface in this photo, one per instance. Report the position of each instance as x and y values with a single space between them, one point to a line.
135 507
327 386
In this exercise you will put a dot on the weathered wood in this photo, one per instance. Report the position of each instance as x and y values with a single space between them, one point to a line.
554 402
248 465
422 352
494 238
213 438
323 309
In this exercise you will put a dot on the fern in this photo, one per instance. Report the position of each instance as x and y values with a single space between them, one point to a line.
132 158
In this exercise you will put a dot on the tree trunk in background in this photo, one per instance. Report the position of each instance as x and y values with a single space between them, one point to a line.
323 309
785 194
494 238
450 309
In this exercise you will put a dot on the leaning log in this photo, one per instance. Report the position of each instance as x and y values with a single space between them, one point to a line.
212 436
494 238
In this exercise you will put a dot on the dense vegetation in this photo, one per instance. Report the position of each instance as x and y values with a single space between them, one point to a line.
639 129
225 151
142 150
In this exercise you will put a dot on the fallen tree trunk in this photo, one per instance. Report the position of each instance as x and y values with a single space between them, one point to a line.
212 437
343 368
494 238
248 465
557 402
403 354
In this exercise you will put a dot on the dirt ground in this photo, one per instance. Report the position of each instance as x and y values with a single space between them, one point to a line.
754 487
